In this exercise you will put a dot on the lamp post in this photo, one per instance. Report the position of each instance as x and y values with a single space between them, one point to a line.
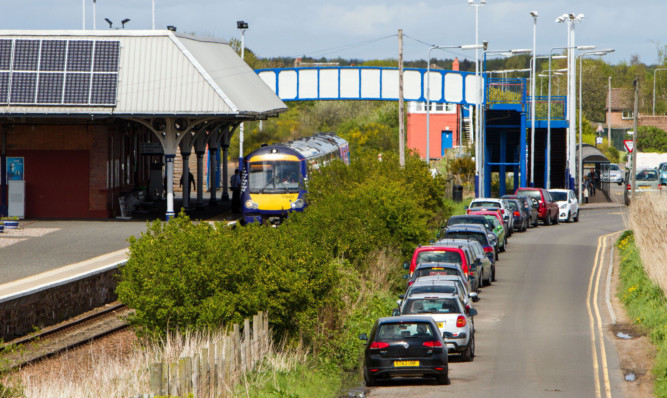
654 72
242 26
478 121
532 104
609 113
428 94
571 20
581 78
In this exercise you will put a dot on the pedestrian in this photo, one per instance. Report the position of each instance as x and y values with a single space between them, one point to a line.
586 183
235 183
191 181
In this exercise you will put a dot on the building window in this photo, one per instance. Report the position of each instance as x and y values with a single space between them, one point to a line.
627 115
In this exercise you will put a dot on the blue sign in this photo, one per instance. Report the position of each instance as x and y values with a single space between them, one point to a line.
15 169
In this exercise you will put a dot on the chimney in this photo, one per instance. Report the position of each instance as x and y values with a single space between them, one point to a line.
455 64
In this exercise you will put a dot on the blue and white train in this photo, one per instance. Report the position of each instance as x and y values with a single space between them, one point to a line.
275 176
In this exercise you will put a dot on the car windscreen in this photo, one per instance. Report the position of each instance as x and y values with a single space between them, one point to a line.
483 204
613 167
439 256
419 272
403 330
470 220
532 194
431 306
431 288
512 205
647 175
478 236
558 196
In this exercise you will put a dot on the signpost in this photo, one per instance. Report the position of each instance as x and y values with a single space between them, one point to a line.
628 145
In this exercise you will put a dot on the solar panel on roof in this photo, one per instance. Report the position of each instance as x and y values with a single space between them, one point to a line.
71 72
23 88
26 54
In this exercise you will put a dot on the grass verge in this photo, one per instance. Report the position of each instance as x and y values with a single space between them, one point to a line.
646 305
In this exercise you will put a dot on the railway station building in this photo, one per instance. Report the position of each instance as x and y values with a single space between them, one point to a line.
87 117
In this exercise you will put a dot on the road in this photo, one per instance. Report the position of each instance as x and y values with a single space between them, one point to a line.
534 330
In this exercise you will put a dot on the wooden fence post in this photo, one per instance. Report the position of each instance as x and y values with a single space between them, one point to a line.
156 378
236 346
246 345
173 378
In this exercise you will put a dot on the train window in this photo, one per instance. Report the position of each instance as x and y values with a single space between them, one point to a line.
274 176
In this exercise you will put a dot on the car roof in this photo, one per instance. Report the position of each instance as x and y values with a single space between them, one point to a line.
559 190
465 216
450 241
437 265
421 296
433 279
467 227
405 318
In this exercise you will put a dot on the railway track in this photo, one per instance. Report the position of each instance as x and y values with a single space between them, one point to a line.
65 336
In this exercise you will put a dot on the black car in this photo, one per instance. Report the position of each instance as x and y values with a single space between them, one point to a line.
529 206
405 346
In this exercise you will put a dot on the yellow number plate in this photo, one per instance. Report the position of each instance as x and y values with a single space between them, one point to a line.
441 325
406 363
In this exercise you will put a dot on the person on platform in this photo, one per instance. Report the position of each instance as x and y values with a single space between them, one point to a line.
235 183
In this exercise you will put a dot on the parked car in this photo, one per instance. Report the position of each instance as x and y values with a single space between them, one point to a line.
491 204
449 251
479 234
662 169
405 346
451 317
612 173
647 180
484 271
498 227
518 213
440 284
429 269
530 207
568 204
474 219
547 208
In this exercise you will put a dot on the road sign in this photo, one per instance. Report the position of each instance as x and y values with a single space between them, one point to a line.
628 145
598 140
600 129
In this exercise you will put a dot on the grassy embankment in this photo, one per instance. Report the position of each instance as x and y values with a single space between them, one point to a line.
643 277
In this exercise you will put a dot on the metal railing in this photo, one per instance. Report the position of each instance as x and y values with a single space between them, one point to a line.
505 91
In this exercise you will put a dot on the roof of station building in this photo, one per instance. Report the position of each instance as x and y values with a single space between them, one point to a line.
127 73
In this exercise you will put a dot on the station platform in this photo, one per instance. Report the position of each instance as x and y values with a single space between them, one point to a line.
45 253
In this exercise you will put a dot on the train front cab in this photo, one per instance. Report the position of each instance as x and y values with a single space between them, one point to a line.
273 184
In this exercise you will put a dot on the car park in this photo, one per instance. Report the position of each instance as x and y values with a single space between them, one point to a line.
547 208
612 173
451 317
476 232
405 346
568 204
530 207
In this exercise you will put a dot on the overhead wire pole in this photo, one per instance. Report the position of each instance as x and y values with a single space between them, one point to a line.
532 103
84 14
477 120
401 103
609 114
153 14
633 167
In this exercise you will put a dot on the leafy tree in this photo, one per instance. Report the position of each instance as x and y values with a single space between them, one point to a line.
651 139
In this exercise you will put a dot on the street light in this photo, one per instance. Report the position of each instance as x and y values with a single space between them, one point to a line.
654 88
571 19
428 93
242 26
581 78
478 121
109 22
532 103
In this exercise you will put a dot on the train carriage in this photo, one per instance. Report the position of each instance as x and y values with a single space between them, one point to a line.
274 176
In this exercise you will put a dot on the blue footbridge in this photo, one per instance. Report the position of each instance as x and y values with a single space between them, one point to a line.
506 131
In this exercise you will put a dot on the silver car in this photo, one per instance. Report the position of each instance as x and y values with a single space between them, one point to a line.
647 181
612 173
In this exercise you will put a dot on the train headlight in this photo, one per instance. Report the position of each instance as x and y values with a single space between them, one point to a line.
249 204
298 204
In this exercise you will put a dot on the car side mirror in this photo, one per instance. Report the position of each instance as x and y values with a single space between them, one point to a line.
491 256
432 241
401 296
472 312
396 312
465 208
406 265
398 302
363 336
474 296
406 276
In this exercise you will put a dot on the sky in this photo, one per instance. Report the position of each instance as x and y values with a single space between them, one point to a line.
367 29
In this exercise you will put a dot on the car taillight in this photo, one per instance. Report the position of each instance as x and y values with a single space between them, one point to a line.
488 249
378 345
434 343
410 282
460 321
541 205
629 188
517 214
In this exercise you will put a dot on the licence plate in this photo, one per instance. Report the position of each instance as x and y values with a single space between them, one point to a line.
441 325
406 363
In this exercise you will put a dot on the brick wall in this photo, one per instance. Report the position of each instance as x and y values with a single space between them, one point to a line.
655 121
20 316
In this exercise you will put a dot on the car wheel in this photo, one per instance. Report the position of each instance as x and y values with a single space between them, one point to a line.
493 272
489 279
547 220
576 217
496 253
537 221
370 380
556 220
502 249
568 217
469 353
443 379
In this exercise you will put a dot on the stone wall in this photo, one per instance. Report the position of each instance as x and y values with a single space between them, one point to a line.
24 314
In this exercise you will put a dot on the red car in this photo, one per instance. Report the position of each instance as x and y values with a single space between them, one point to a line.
547 209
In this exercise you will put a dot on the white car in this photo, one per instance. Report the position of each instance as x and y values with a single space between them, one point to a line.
568 205
454 321
612 173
